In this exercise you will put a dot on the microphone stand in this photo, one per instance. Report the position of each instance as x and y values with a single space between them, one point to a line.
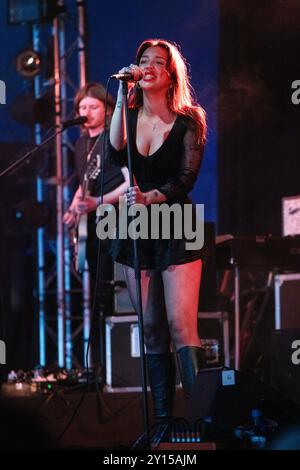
18 163
137 273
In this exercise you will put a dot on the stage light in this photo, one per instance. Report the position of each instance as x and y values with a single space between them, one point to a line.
28 63
32 11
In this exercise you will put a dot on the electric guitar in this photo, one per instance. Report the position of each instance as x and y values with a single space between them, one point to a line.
81 225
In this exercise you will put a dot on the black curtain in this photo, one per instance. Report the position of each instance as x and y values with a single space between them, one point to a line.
18 322
258 125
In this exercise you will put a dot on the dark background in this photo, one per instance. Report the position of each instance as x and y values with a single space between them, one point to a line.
258 126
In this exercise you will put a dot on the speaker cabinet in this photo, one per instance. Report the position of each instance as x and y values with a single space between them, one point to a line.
227 397
287 307
284 363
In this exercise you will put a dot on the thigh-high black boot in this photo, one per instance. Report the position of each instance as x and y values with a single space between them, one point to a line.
190 360
162 375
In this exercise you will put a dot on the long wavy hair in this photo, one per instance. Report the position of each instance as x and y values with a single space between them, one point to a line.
180 95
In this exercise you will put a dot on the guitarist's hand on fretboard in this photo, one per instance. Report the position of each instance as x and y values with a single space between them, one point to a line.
69 218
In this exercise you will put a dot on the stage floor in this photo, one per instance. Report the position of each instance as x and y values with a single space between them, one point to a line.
106 420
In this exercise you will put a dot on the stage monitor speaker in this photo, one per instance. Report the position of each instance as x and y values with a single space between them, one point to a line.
284 363
227 396
287 308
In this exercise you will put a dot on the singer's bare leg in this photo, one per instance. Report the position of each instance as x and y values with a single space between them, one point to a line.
157 337
181 285
181 290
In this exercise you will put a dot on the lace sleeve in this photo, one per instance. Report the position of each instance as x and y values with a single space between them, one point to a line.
181 184
118 157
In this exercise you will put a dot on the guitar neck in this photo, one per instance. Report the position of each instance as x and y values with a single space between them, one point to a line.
85 185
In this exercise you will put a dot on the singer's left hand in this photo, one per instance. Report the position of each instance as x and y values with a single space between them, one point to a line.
135 196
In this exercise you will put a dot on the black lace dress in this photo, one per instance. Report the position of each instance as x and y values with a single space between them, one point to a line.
173 170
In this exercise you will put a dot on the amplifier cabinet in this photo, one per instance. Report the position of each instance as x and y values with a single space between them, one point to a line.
123 352
287 301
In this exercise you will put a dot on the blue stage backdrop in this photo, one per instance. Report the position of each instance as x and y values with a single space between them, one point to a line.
114 31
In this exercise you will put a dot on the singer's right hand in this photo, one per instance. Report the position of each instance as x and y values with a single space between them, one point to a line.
127 70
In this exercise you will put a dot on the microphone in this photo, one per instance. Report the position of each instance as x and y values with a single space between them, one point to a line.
134 75
74 122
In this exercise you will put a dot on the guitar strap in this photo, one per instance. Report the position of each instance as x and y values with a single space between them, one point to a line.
91 146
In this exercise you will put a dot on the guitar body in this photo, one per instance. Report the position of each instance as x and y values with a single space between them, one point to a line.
82 235
80 238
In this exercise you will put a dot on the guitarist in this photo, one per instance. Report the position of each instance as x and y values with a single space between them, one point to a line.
89 101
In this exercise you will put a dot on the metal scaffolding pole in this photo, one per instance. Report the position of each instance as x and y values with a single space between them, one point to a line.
60 265
57 318
86 295
81 42
66 193
63 255
40 230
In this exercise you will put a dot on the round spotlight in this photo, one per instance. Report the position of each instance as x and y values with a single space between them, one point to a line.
28 63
